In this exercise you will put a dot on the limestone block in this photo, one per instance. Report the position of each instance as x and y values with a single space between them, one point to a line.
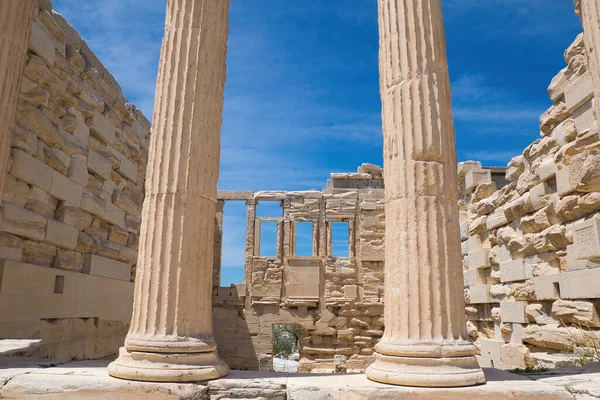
514 355
586 239
102 266
490 348
31 170
496 220
65 189
484 362
114 215
547 287
580 284
371 252
15 192
350 291
479 259
547 169
480 294
565 132
539 314
102 128
34 119
41 44
25 298
558 85
22 222
563 181
516 335
61 235
128 169
512 271
474 178
11 253
539 195
99 164
513 312
579 91
93 204
584 116
475 277
576 312
78 170
583 172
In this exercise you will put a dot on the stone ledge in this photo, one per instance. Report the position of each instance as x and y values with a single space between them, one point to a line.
25 378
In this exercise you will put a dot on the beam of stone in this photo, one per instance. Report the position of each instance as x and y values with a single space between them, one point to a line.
589 10
171 338
16 18
425 341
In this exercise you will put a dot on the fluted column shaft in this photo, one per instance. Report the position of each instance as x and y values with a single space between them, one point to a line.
172 310
16 18
425 341
589 11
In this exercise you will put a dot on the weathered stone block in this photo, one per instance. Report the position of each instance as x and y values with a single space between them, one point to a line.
480 294
65 189
584 116
496 220
547 169
102 266
491 348
99 164
102 128
22 222
513 312
479 259
78 170
586 239
512 271
474 178
61 235
128 169
42 44
114 215
576 312
11 253
31 170
579 91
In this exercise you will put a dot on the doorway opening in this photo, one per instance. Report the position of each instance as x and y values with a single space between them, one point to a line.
286 347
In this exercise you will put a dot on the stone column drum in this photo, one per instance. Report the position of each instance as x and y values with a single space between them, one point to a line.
171 338
589 10
16 18
425 341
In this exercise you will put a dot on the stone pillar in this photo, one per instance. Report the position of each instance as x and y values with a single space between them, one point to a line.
16 18
425 341
170 338
218 246
251 237
589 11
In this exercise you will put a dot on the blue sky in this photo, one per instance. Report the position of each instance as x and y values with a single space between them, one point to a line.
302 95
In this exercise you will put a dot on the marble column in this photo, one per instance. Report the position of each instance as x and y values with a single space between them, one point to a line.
171 338
589 11
425 341
16 18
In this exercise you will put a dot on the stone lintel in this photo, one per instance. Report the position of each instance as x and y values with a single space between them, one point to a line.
234 195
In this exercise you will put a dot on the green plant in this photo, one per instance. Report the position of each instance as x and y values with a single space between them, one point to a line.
285 340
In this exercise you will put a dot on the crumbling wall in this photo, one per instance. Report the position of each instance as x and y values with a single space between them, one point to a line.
72 201
336 301
532 249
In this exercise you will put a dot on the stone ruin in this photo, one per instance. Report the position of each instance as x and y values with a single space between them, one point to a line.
75 240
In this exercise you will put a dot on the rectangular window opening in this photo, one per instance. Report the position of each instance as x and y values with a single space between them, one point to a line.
286 347
304 232
340 239
233 246
268 239
269 209
59 284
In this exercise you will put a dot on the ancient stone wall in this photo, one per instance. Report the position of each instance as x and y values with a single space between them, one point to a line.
336 301
532 249
72 200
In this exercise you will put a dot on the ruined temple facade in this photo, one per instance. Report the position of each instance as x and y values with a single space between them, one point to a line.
336 301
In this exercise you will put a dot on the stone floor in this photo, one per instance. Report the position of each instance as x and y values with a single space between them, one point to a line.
27 378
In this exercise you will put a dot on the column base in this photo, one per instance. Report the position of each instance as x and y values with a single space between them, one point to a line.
426 372
165 367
